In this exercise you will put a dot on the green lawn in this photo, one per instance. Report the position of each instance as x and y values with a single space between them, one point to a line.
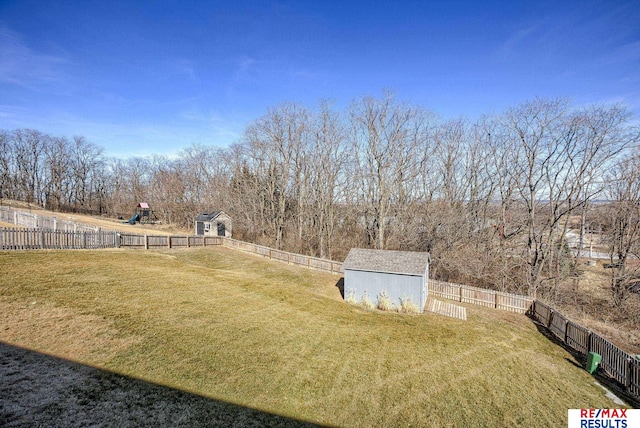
265 335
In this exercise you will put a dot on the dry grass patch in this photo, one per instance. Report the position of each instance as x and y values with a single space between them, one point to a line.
5 224
42 324
279 338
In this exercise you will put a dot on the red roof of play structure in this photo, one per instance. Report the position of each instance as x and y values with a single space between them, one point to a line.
143 205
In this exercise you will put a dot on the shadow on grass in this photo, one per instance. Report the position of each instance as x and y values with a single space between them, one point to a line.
340 286
42 390
580 361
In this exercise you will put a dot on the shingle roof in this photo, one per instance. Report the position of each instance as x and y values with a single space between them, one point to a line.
208 216
404 262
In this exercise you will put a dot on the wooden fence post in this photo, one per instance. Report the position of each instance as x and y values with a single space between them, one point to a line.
146 242
460 288
532 308
169 241
629 375
41 239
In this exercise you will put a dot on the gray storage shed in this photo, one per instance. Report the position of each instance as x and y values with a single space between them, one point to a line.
213 223
398 274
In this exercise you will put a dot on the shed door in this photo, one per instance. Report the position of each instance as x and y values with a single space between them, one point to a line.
221 229
199 228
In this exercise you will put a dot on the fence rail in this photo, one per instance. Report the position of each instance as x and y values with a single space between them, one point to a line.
480 296
616 363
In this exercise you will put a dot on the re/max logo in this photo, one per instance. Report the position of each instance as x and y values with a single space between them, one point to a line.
603 418
603 413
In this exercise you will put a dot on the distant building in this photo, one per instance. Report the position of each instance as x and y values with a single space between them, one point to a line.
399 275
214 223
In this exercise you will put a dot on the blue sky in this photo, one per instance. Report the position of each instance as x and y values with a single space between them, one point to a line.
153 77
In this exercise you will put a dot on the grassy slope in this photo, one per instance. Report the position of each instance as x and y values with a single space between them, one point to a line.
245 330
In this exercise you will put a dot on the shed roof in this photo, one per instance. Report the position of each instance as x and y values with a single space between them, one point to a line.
401 262
208 216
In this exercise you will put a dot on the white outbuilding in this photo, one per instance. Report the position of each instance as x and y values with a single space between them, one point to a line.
398 275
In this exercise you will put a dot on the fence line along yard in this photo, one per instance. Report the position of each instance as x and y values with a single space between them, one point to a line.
23 218
31 239
157 241
283 256
162 241
616 363
480 296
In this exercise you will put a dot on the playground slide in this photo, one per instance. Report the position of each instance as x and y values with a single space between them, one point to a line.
133 219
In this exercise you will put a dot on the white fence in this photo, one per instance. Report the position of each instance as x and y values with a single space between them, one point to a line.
30 220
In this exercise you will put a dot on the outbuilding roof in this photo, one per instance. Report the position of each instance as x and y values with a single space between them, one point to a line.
208 216
401 262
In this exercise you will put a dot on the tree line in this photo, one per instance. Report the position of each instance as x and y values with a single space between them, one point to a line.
491 199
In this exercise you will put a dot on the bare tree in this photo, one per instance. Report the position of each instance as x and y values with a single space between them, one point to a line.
387 140
85 161
274 149
56 172
327 178
556 159
6 166
624 227
28 147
